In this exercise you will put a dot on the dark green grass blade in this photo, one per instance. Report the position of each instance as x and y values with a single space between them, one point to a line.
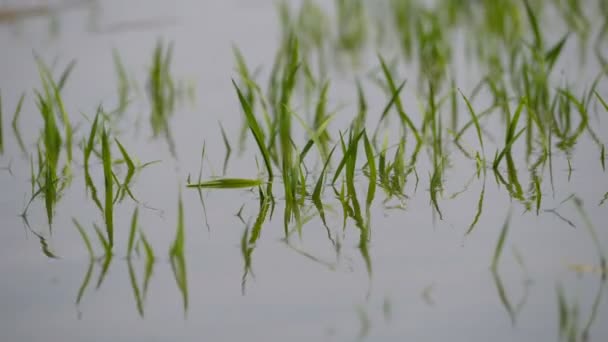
553 53
228 183
130 169
131 242
256 130
371 164
109 187
603 157
501 241
88 150
507 148
479 208
15 124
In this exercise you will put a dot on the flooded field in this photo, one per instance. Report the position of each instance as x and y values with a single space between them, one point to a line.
345 170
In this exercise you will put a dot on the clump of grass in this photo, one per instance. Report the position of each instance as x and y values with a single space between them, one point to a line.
50 106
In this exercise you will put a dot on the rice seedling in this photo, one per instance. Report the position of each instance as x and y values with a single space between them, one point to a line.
177 255
15 124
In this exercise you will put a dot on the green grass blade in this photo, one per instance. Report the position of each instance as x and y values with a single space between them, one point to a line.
371 164
85 238
255 129
404 117
538 40
88 150
352 149
227 183
479 208
553 53
132 232
475 121
109 187
102 240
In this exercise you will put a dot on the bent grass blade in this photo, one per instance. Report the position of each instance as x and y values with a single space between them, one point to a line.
227 183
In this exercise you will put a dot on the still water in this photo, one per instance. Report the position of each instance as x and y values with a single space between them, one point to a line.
427 280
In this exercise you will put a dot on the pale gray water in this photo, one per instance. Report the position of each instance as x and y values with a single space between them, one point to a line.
429 282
